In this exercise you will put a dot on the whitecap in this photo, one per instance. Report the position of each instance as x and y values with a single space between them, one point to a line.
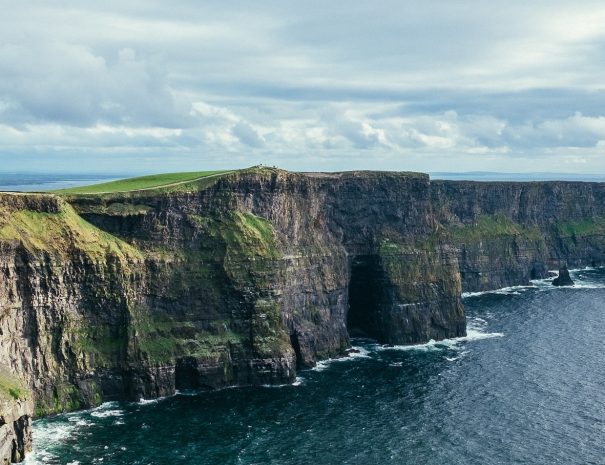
187 392
106 406
81 422
107 413
143 401
451 343
475 320
46 435
510 290
297 382
545 284
359 352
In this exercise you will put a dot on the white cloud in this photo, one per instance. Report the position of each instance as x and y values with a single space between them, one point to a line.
366 85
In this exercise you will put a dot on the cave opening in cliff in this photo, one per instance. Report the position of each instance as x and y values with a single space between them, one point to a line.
187 374
365 297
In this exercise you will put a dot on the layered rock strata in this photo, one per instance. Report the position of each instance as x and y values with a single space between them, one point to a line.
245 278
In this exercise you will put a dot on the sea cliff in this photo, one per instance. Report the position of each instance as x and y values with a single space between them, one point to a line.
247 277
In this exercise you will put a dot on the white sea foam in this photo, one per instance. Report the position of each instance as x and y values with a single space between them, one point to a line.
472 334
143 401
108 413
297 382
45 436
511 290
107 409
186 392
361 352
79 421
106 406
476 322
580 281
545 284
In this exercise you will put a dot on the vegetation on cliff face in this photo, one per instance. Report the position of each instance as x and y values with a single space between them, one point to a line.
11 387
162 339
59 231
234 254
491 226
585 227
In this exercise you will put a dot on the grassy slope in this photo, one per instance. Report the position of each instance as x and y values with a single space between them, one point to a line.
60 232
171 182
11 387
144 182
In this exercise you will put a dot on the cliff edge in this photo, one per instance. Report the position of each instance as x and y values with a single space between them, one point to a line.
245 277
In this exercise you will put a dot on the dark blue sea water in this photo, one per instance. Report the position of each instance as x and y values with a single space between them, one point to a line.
37 182
525 387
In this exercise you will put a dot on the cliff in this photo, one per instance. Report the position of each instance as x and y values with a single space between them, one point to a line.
247 277
507 233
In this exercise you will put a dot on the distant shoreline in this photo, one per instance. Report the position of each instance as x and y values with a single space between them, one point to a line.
33 182
493 176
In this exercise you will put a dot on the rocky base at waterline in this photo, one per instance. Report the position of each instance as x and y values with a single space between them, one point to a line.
245 278
15 429
563 279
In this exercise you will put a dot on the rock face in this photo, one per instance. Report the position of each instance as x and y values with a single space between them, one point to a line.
563 279
15 430
506 233
245 278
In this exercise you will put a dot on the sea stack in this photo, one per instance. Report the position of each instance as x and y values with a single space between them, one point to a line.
563 279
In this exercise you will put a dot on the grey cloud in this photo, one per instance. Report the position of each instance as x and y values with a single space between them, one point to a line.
247 134
69 84
343 84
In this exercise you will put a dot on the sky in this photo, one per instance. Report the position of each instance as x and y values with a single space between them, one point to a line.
153 86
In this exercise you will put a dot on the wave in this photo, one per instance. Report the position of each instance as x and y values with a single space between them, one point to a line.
451 343
48 435
107 409
545 284
360 352
143 401
297 382
510 290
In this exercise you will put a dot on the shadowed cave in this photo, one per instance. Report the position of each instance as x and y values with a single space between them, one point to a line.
367 296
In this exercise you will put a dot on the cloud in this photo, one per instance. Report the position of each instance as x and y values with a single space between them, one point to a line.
314 85
247 134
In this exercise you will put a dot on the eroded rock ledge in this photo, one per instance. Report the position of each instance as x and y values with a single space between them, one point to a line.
248 277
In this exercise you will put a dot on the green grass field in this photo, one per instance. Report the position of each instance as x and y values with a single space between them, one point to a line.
141 183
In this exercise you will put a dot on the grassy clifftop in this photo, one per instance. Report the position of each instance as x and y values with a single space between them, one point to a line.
155 181
190 181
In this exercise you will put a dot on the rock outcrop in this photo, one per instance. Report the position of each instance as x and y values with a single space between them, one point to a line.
16 408
563 279
248 277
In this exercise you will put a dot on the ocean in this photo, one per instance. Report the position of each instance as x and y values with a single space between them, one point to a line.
36 182
524 387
